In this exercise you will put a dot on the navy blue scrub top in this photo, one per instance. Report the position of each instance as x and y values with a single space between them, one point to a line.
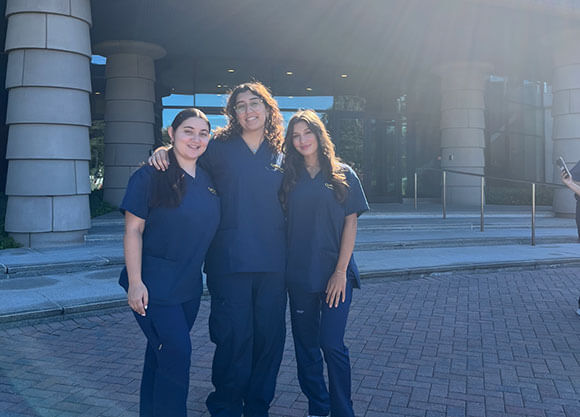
250 237
315 224
175 240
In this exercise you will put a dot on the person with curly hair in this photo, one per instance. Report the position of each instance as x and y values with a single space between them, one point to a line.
246 260
323 199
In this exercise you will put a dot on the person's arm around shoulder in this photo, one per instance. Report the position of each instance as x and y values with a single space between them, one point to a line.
137 294
336 287
160 159
569 182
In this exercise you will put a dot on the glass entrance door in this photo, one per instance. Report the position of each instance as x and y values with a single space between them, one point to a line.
375 149
383 161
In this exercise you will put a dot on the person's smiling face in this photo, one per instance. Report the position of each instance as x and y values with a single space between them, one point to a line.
250 111
190 139
304 140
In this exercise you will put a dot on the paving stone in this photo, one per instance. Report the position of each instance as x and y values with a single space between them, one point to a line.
493 344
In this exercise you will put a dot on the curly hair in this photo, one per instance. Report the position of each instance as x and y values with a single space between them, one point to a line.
273 129
330 164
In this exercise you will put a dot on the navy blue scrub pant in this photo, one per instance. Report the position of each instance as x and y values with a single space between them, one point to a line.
247 325
165 381
316 327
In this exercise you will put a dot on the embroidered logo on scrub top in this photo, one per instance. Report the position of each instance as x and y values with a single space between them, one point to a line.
329 186
277 166
212 190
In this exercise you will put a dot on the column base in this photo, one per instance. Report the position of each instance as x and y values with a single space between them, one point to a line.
50 239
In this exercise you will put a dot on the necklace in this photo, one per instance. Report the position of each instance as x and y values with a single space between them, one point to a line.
255 148
312 169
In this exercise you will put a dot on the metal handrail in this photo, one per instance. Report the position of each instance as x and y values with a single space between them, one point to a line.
482 192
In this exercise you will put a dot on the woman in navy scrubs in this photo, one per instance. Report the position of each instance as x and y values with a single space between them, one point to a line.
323 199
170 220
246 260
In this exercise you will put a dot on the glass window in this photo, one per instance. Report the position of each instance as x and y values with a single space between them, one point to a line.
211 100
98 60
217 120
168 116
305 102
214 103
178 100
515 129
288 114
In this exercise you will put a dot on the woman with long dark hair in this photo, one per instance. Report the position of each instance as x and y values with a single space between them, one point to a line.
170 219
246 260
323 199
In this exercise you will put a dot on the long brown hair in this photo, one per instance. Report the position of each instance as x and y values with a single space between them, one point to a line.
169 186
330 164
273 129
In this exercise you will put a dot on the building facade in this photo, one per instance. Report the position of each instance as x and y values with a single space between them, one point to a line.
482 86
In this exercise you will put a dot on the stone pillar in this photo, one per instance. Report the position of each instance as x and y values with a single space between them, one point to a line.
566 111
129 111
48 114
462 128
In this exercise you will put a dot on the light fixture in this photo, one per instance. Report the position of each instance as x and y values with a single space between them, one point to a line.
97 93
219 86
343 75
308 89
289 73
230 70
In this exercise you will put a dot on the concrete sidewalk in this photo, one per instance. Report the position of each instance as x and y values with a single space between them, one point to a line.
394 241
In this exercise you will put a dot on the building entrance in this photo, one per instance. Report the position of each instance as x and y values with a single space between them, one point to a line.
376 150
375 147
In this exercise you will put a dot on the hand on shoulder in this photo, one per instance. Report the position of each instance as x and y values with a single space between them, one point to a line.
160 159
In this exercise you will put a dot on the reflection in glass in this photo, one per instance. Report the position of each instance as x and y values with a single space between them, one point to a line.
305 102
211 100
178 100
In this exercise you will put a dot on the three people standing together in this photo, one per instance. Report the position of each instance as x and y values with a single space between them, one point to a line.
287 212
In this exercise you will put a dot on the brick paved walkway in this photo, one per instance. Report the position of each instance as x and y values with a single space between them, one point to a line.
494 344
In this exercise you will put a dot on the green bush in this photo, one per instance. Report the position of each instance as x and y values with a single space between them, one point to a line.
98 205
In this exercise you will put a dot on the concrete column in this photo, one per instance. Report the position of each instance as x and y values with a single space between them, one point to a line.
462 128
48 114
129 111
566 111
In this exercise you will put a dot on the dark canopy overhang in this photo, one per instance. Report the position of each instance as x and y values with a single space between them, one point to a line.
382 45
